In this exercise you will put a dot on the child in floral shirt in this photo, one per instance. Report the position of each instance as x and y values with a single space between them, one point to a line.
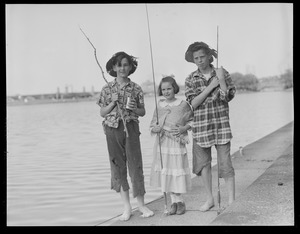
124 149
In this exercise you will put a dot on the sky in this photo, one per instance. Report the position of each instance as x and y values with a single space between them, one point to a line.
46 51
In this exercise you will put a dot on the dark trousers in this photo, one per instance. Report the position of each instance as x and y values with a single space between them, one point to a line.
125 151
202 157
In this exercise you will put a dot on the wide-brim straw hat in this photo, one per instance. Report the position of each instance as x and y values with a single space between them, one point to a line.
197 46
113 60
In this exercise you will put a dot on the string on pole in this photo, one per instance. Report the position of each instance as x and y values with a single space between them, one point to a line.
217 111
217 46
157 121
153 77
118 106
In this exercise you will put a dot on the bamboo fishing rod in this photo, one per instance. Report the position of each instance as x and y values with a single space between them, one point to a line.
118 105
217 46
217 111
156 109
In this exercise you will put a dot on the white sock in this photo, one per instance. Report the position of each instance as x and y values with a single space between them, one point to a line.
179 198
173 197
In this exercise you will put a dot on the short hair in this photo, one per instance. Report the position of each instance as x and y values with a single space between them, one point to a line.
206 50
116 60
196 46
119 56
172 81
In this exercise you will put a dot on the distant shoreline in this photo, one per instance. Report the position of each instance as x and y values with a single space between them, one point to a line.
49 101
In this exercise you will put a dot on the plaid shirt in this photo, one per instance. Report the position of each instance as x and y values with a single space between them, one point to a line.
211 118
131 89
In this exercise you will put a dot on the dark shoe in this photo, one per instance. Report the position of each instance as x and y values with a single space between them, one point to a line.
173 209
180 208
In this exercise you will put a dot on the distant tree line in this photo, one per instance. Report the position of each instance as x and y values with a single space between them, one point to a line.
247 82
287 79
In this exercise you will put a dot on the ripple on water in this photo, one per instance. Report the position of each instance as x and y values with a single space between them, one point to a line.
58 169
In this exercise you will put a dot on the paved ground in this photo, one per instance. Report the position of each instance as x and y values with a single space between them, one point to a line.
264 190
268 201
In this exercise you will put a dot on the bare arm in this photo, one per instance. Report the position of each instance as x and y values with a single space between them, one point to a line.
178 130
139 110
107 109
198 100
227 90
185 128
221 76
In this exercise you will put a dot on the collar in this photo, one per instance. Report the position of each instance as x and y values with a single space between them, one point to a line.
163 103
115 83
198 73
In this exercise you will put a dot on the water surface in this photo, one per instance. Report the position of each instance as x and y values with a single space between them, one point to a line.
57 163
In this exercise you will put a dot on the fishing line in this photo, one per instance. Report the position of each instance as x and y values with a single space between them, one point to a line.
218 116
154 86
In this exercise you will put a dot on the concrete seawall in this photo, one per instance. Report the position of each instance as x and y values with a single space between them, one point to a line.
264 168
269 200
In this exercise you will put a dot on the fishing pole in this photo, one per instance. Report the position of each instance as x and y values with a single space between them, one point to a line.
157 121
95 53
217 45
217 111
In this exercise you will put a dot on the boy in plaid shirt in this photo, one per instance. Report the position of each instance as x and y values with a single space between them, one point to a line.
209 90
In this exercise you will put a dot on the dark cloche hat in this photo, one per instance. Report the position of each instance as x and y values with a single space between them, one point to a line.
117 57
197 46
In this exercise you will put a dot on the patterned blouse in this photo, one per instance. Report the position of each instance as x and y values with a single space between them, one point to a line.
131 89
211 118
177 113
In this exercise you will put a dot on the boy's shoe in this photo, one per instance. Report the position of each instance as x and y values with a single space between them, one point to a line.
180 208
173 209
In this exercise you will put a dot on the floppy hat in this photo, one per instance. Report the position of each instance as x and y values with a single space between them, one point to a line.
197 46
113 60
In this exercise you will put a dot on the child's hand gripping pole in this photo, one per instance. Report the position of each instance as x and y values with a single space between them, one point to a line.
118 105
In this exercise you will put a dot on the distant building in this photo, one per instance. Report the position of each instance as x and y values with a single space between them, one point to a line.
28 99
10 99
57 93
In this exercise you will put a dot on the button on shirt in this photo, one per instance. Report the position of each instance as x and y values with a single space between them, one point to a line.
130 89
211 118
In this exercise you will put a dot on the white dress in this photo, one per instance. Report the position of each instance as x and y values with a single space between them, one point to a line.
175 175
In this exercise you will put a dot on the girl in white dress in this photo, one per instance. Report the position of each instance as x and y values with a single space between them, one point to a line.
174 120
